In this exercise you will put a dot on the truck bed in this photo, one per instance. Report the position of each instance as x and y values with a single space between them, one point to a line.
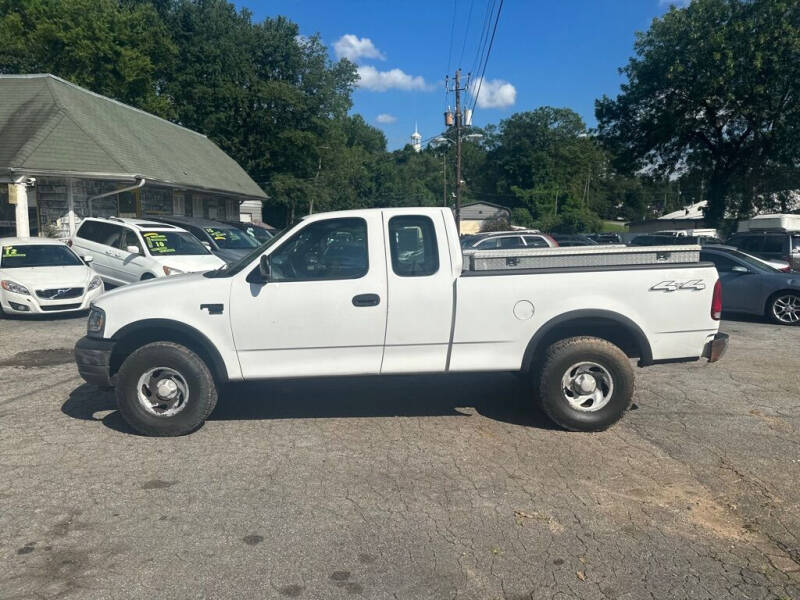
578 257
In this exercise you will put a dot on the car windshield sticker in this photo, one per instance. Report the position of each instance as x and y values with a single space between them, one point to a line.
218 234
11 252
157 243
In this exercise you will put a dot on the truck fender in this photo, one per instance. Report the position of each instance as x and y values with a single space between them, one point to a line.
594 322
138 333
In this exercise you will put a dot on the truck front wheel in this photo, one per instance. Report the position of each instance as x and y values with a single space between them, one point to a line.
165 389
585 383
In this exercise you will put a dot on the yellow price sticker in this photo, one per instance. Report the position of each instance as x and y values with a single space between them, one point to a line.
11 252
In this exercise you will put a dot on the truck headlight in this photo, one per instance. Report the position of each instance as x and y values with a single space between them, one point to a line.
14 288
171 271
95 283
96 322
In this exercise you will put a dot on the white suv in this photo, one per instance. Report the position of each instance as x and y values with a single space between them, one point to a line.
128 250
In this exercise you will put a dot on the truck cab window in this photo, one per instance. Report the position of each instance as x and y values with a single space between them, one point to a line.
330 249
412 241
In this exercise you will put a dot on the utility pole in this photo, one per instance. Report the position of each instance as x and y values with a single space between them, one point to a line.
444 178
459 124
316 187
459 121
316 179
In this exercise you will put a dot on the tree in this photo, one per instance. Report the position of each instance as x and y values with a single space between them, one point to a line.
713 89
119 50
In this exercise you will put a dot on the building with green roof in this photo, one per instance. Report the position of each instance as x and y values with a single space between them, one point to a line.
67 153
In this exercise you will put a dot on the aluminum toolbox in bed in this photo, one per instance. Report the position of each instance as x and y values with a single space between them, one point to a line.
578 256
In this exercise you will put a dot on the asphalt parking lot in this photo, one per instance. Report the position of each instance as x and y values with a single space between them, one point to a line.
413 487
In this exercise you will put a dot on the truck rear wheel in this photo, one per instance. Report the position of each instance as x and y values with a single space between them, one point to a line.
585 383
165 389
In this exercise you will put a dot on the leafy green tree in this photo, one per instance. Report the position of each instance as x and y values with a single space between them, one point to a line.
120 50
712 89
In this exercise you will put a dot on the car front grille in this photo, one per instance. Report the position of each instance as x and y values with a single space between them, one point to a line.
60 293
52 307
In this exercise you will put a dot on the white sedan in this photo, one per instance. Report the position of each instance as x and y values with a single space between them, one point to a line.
40 275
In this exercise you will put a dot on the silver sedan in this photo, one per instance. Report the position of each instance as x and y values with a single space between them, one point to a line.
750 285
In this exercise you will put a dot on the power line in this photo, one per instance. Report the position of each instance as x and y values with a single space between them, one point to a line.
450 52
488 53
487 21
466 34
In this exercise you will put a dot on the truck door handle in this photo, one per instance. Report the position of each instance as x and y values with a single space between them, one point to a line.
366 300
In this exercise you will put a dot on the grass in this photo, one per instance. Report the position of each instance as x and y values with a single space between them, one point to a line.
613 227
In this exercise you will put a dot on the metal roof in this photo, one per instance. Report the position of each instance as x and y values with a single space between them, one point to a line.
49 125
483 210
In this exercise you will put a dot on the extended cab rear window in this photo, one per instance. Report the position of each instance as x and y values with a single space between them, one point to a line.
412 241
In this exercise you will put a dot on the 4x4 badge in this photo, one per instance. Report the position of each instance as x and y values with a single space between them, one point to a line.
674 286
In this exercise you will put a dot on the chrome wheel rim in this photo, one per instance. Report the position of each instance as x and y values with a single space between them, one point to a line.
587 386
162 391
786 308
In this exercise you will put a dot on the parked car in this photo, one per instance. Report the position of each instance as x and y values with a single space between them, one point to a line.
226 241
769 245
654 239
751 285
40 275
572 239
507 239
605 238
260 233
394 297
128 250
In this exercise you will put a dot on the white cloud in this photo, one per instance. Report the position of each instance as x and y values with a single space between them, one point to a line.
352 47
385 118
380 81
494 93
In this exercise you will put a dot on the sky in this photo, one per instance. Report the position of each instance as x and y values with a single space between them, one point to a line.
564 53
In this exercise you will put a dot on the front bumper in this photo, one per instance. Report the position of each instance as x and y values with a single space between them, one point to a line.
93 358
716 348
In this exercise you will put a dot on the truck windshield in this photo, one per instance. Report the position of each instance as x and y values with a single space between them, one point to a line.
229 238
37 255
233 269
172 243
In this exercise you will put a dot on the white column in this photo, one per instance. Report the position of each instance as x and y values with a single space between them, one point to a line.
70 207
20 192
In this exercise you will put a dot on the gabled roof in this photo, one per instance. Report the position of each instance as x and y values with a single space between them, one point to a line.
48 124
693 211
484 210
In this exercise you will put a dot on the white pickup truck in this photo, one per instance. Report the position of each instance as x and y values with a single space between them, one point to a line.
387 291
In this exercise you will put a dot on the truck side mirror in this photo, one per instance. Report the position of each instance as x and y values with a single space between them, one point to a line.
87 258
265 268
133 249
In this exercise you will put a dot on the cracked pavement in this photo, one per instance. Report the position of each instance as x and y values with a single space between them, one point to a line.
404 487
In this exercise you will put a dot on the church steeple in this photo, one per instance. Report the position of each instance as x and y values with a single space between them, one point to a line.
416 139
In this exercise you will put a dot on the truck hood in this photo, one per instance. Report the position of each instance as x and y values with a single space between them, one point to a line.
160 287
179 298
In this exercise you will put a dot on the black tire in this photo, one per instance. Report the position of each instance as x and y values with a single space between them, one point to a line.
559 360
201 389
147 276
773 311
